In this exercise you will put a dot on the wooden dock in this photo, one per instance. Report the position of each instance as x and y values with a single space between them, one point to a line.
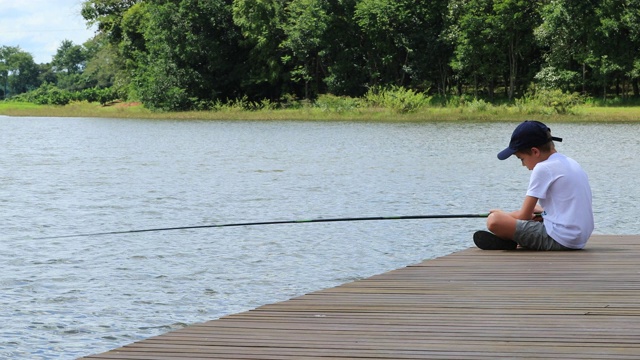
473 304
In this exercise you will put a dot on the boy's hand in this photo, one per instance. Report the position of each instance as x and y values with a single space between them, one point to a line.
537 213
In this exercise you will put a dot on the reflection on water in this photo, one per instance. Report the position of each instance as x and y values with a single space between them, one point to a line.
70 297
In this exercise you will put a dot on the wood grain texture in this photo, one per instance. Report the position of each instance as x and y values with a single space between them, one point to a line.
473 304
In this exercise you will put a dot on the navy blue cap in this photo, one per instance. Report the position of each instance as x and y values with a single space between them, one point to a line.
529 134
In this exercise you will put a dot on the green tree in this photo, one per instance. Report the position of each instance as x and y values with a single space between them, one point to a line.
193 55
261 26
630 19
595 41
69 58
104 65
493 38
304 30
4 79
289 53
18 71
181 54
132 46
383 22
478 52
617 45
68 64
515 21
569 36
403 42
46 74
119 47
107 15
432 55
344 51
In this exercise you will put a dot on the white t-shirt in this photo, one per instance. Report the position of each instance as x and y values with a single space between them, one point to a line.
563 191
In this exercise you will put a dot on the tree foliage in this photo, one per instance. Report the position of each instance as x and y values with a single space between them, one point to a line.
404 45
260 25
18 71
194 54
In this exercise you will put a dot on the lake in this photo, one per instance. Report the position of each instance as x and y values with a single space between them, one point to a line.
68 297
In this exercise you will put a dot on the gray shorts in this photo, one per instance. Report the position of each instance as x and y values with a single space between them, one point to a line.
533 235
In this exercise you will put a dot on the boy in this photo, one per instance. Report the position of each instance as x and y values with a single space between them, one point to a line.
558 189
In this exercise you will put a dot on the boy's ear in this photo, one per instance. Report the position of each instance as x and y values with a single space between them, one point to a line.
535 151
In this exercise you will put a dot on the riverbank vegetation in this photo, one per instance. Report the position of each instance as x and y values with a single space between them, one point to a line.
380 107
351 58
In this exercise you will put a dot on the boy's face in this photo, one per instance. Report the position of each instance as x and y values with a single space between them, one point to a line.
529 159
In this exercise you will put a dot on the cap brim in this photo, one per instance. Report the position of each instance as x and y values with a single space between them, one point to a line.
506 153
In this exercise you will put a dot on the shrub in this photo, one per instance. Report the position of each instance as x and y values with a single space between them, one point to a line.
46 94
551 77
561 102
105 95
330 102
478 105
397 98
49 94
459 101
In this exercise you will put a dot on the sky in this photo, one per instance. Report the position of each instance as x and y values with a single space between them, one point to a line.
39 26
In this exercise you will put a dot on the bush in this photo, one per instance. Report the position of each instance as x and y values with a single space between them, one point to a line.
242 104
330 102
46 94
553 78
49 94
561 102
397 98
478 105
458 101
105 95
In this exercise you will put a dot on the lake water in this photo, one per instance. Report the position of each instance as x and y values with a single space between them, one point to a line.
69 297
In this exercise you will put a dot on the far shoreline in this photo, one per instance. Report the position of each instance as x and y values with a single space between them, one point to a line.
130 110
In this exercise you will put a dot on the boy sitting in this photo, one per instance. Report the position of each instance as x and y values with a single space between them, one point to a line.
558 189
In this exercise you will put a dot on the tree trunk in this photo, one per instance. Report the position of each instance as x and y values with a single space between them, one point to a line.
492 89
584 79
475 86
513 68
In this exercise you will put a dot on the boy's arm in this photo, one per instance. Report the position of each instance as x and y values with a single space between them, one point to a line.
529 207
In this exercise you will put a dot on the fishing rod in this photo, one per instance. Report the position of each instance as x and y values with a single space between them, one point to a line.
376 218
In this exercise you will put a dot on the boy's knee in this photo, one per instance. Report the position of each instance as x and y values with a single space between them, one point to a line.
492 222
496 222
501 224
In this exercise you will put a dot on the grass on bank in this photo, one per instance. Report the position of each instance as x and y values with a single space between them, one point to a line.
332 108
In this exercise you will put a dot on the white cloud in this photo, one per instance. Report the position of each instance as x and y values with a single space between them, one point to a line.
40 26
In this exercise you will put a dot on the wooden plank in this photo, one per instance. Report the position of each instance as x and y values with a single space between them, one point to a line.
471 304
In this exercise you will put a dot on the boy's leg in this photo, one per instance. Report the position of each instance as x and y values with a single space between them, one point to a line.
533 235
502 229
502 224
